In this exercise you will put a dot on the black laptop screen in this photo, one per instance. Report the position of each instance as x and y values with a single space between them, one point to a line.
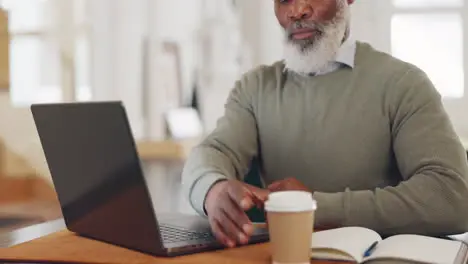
96 171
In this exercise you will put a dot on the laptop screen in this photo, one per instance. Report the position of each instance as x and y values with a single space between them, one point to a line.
96 171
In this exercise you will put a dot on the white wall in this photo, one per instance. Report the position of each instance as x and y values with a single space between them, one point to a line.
181 25
271 35
118 30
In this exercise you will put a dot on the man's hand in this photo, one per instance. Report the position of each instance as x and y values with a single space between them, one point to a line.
289 184
226 203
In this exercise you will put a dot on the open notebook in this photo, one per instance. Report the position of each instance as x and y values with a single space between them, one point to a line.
352 243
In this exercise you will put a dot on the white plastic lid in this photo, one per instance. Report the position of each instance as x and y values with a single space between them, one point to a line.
290 201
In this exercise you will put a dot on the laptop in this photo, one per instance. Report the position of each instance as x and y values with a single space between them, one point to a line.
96 171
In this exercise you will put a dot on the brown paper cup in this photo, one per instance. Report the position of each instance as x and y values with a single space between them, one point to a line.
290 223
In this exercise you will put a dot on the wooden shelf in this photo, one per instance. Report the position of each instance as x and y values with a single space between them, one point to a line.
4 51
465 143
168 150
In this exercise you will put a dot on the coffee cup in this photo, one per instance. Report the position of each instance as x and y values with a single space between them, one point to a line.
290 216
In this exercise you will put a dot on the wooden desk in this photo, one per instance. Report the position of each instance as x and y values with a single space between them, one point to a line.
26 234
64 246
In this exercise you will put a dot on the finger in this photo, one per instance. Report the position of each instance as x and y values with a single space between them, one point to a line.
275 185
241 196
232 230
258 193
239 218
220 234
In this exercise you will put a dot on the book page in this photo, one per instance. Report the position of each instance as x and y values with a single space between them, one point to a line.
418 249
351 240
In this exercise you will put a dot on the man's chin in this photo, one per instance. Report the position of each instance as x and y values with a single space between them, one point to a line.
303 44
309 56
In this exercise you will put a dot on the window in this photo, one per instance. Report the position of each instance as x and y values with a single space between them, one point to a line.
49 51
427 3
429 34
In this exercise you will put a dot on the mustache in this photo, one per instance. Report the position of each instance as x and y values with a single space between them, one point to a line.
320 28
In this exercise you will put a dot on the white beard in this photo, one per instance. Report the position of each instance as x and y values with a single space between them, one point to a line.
322 52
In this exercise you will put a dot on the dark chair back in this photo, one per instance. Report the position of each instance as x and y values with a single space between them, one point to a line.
253 177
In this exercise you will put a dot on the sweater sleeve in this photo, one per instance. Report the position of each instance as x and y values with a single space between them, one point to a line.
432 197
228 150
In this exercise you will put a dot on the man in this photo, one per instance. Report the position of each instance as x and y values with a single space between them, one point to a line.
364 132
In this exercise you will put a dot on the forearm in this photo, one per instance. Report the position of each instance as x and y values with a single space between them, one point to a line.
432 202
213 161
205 167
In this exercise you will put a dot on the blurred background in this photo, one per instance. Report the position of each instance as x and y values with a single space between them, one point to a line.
173 64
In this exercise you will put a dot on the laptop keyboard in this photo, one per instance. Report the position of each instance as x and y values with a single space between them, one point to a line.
177 234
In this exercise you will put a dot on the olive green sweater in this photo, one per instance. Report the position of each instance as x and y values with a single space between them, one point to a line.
372 142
